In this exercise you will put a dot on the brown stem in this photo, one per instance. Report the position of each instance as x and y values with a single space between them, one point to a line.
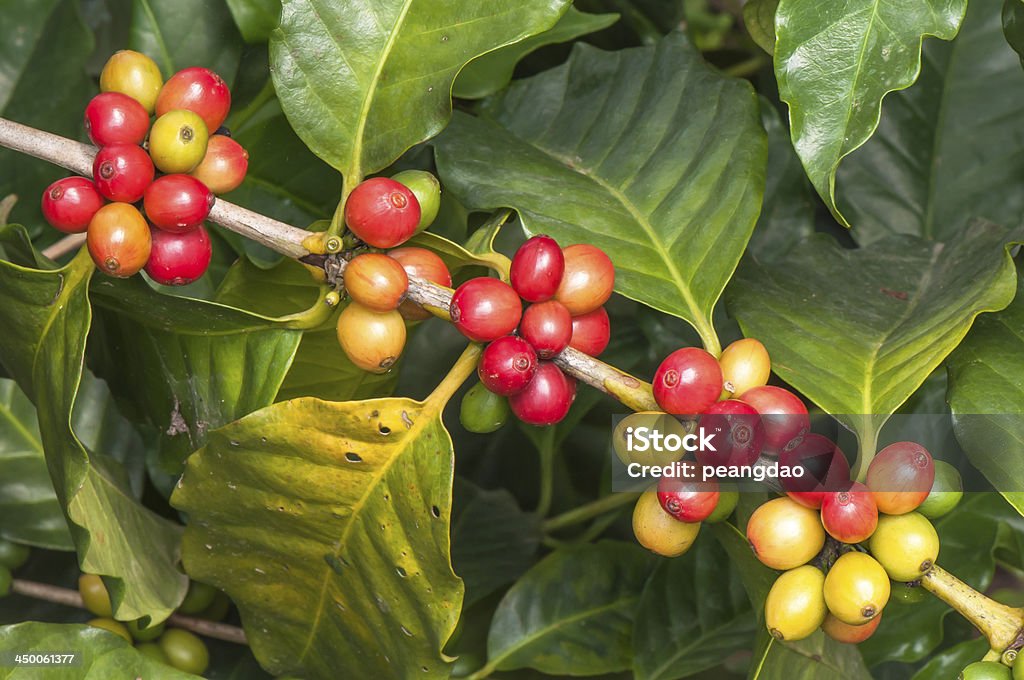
998 622
68 244
71 598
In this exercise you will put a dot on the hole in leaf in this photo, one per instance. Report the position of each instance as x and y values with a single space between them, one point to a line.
401 572
353 457
384 429
435 511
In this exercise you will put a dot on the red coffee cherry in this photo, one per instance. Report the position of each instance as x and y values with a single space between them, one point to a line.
588 279
122 172
548 327
177 203
423 264
537 269
739 434
68 204
824 469
199 90
485 309
688 500
118 239
547 397
783 414
178 259
688 381
591 332
382 212
224 166
507 365
115 118
376 281
901 476
849 515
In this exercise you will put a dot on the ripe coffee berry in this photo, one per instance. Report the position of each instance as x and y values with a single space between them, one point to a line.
423 264
856 588
738 432
591 332
178 141
199 90
844 632
177 259
850 514
783 414
177 203
372 340
795 605
427 191
547 397
658 531
122 172
901 476
134 74
68 204
785 534
376 281
224 166
823 468
688 381
587 281
507 365
485 309
537 269
548 327
688 500
115 118
118 240
745 364
382 212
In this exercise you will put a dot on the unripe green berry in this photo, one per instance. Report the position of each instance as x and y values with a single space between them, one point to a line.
483 411
94 595
144 634
427 190
727 500
185 651
947 490
199 597
986 670
12 555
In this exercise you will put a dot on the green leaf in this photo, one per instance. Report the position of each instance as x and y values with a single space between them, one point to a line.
182 33
759 18
946 150
47 317
349 504
947 664
99 654
757 578
572 613
361 83
1013 25
693 613
255 18
858 331
816 657
491 72
648 153
836 61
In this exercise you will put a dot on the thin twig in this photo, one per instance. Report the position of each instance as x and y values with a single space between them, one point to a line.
68 244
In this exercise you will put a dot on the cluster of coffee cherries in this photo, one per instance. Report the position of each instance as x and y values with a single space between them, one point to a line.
994 670
196 159
566 289
175 647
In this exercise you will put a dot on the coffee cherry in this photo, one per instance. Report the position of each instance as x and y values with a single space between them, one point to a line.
986 670
687 382
484 309
376 281
199 90
94 595
185 651
548 327
547 397
373 341
382 212
537 269
427 190
745 365
13 555
657 531
947 490
738 434
423 264
115 118
688 500
507 365
218 609
795 606
224 166
849 515
118 239
591 332
178 141
624 444
133 74
153 651
785 534
1018 666
483 411
728 499
115 627
122 172
198 597
68 204
588 279
900 476
844 632
143 634
179 259
177 203
783 414
856 588
905 545
824 467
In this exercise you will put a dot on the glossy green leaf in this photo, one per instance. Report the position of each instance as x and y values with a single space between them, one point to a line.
361 83
182 33
834 63
947 664
255 18
648 153
759 18
491 72
573 612
816 657
757 578
1013 25
99 654
858 331
949 148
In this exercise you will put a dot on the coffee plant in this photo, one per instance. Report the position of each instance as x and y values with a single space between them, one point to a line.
459 339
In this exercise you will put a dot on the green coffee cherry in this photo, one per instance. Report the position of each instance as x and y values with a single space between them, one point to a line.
94 594
12 555
483 411
947 490
218 610
199 597
727 500
986 670
185 651
427 190
153 651
1018 667
144 634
